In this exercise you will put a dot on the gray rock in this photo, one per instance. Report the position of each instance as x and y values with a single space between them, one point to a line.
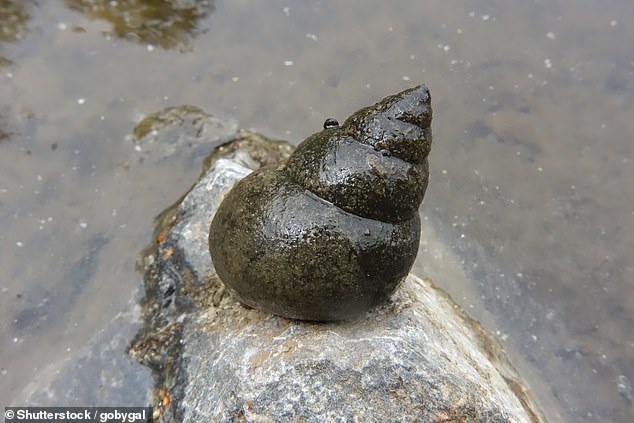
100 374
416 357
184 130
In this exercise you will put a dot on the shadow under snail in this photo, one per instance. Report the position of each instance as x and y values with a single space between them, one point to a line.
332 232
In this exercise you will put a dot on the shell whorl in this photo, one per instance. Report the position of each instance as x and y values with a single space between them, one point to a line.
375 164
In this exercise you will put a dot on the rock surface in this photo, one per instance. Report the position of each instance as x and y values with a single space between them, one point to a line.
101 373
415 358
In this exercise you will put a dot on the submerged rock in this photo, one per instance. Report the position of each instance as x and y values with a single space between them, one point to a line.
178 130
416 357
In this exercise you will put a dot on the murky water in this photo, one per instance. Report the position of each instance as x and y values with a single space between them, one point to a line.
531 165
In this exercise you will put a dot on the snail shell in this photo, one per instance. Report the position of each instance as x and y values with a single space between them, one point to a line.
334 231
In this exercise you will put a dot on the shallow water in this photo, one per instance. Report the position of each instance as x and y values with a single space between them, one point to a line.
531 164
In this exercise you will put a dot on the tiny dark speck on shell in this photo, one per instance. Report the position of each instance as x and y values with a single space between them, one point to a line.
331 123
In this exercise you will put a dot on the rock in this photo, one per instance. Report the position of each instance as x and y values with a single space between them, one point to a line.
99 374
416 357
183 130
168 24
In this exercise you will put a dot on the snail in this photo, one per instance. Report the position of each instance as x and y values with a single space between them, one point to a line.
332 232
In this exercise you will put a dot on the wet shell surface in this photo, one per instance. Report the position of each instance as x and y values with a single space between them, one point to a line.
333 231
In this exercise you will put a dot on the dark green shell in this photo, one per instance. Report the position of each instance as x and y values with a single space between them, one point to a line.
333 232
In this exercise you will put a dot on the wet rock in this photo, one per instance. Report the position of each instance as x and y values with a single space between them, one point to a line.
99 374
169 24
184 129
416 357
